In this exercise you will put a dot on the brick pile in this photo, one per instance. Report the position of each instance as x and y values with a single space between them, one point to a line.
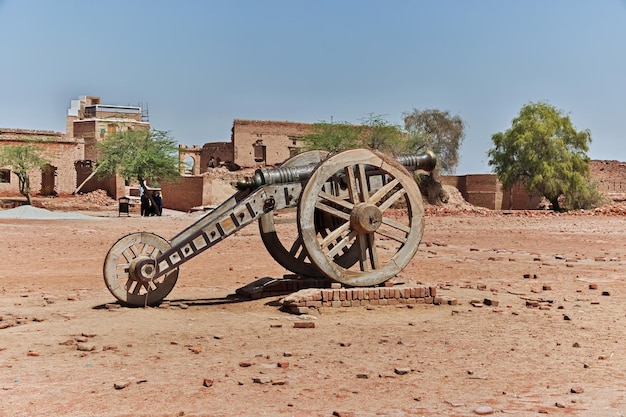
304 293
337 297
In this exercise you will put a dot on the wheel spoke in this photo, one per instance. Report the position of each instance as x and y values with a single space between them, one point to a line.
387 234
336 200
365 267
332 237
365 195
396 225
375 198
353 191
341 244
332 211
392 199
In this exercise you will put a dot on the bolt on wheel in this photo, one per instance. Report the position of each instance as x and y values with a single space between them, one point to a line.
130 268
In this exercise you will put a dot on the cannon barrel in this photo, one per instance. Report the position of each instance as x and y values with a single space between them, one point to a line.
282 175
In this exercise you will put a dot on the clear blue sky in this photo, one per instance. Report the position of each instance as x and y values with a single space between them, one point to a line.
201 64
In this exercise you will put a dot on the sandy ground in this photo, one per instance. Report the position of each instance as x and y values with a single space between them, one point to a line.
553 345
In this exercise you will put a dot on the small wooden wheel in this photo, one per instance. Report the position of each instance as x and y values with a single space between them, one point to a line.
288 251
376 207
130 266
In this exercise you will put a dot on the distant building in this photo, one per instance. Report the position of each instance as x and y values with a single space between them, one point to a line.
92 121
58 176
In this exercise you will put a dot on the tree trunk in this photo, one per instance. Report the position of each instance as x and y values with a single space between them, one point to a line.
24 183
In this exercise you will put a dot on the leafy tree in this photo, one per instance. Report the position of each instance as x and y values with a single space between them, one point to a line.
332 137
374 133
22 159
377 133
543 150
438 131
142 155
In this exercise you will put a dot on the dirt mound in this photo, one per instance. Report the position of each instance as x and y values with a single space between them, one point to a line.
93 201
456 204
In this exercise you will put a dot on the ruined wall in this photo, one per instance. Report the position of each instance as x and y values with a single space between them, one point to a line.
265 143
484 190
61 152
189 192
221 152
610 176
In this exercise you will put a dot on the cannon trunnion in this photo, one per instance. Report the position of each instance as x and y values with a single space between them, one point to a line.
359 219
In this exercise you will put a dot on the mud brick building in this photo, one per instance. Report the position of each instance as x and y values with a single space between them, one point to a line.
58 176
92 121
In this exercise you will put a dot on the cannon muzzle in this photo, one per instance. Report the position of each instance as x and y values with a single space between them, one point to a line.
424 162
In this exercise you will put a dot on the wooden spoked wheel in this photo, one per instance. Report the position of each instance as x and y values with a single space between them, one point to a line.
283 241
376 207
130 266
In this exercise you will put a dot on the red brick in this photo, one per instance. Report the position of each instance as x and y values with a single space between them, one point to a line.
327 295
313 303
316 296
433 291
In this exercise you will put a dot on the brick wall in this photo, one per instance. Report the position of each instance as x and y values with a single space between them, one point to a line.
222 152
278 138
484 190
60 152
189 192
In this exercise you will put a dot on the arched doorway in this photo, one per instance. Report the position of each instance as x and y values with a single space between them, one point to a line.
189 165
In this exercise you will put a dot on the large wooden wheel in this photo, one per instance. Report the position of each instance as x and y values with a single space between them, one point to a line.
284 242
129 270
376 207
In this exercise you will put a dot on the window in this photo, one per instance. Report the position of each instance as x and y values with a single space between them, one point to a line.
5 176
259 152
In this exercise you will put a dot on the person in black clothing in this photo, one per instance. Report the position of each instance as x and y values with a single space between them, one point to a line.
145 205
158 202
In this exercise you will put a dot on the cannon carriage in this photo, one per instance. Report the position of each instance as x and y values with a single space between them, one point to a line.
359 218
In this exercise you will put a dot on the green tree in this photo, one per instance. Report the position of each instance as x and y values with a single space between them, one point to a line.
378 133
332 137
148 156
22 159
544 151
438 131
374 133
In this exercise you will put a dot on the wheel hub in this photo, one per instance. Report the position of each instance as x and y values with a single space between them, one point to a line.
142 269
366 218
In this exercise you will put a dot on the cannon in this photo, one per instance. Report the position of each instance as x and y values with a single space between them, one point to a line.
359 218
